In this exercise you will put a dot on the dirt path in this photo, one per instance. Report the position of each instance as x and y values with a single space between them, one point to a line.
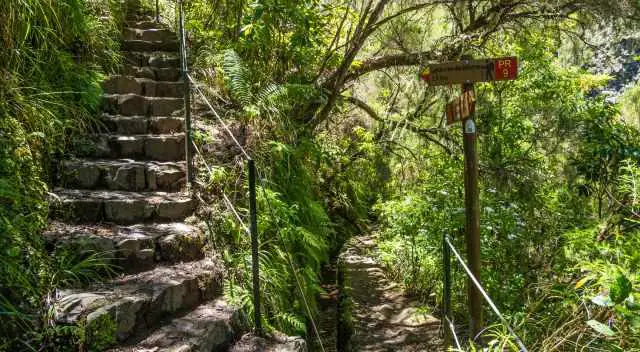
383 318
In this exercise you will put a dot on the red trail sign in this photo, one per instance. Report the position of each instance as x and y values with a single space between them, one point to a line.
470 71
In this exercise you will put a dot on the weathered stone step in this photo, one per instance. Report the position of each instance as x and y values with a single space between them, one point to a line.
143 23
148 34
158 147
157 59
140 15
120 207
122 174
150 45
121 84
209 327
155 73
143 124
132 248
133 104
274 342
135 9
135 303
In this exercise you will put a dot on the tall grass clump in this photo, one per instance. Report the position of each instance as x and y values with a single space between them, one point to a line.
53 54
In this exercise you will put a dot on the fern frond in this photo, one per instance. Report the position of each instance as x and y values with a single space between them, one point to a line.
237 77
290 321
271 98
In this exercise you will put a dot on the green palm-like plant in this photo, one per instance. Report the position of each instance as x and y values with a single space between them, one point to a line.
267 100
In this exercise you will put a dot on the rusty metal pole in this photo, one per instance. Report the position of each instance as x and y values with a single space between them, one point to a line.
157 12
472 216
255 261
446 291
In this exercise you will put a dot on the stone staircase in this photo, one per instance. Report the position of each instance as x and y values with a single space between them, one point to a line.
128 198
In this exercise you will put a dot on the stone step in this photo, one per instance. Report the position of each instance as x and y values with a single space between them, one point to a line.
272 342
120 84
148 34
212 326
143 124
133 104
150 45
122 174
143 23
133 304
157 59
120 207
130 248
158 147
138 14
154 73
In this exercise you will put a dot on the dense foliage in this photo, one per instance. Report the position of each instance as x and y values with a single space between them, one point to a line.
52 55
324 95
557 162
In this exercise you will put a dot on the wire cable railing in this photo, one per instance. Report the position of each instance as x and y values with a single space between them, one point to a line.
190 147
449 248
253 176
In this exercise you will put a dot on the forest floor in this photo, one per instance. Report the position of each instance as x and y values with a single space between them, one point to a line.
384 318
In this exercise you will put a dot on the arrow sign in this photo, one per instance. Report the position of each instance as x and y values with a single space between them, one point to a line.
461 107
470 71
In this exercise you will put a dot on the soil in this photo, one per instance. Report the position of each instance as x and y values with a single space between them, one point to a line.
384 318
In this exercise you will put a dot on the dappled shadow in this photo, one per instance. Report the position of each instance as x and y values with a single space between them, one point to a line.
384 318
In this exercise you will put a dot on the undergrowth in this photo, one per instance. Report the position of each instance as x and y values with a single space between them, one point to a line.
52 61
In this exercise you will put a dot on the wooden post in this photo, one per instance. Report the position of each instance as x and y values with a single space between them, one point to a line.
466 72
472 216
187 99
446 294
255 263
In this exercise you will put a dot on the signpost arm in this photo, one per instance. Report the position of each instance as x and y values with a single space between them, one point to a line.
472 218
466 72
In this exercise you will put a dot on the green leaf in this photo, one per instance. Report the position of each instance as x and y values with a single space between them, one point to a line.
631 304
13 251
601 328
620 289
634 322
582 281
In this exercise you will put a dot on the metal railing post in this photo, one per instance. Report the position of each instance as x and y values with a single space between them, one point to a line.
187 97
446 295
157 12
255 264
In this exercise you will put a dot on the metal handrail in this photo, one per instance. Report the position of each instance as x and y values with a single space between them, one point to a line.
187 95
190 146
196 86
448 248
253 177
225 198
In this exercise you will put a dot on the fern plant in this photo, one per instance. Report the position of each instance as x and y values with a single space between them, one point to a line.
264 101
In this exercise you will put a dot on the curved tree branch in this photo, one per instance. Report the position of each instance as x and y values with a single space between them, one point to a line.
394 60
427 133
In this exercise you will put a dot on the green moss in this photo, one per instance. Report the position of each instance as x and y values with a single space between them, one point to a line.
101 333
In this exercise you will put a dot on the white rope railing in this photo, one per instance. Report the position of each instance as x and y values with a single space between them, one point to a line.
493 306
196 86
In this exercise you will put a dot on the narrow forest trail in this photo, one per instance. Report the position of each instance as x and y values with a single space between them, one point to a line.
384 319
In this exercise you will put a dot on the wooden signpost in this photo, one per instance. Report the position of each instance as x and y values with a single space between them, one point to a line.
461 107
467 72
471 71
